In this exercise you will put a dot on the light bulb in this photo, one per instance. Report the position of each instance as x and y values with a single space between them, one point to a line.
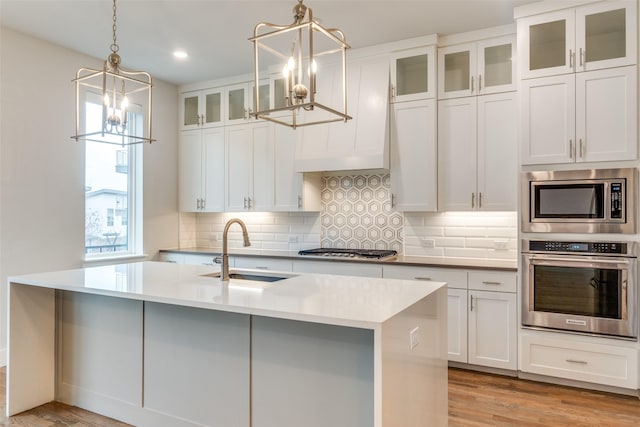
285 70
125 103
291 64
314 66
106 99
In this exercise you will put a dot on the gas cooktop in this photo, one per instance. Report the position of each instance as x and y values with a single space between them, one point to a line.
380 254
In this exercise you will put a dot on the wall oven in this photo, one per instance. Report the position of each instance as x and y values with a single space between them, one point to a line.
585 287
581 201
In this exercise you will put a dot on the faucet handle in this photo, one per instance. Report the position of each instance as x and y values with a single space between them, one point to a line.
217 260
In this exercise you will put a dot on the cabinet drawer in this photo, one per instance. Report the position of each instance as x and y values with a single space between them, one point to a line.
263 263
501 281
581 361
203 259
456 279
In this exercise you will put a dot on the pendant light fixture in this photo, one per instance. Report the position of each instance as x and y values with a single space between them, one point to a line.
306 56
122 96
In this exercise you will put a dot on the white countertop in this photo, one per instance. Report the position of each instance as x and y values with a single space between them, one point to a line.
330 299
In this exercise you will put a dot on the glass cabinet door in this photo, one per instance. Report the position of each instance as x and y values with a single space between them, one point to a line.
413 74
496 70
237 108
548 46
213 108
606 35
457 71
190 110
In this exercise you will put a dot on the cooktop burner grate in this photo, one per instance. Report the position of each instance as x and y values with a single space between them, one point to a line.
350 253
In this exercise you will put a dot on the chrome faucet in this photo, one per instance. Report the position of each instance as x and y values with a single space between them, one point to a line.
224 268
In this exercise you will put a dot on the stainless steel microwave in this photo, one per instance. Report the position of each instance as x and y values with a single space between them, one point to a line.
580 201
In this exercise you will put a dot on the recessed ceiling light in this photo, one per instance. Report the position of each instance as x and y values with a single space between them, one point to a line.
180 54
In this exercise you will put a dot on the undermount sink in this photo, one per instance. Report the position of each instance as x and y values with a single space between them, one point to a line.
251 275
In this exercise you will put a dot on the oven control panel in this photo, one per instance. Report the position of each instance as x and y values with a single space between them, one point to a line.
578 247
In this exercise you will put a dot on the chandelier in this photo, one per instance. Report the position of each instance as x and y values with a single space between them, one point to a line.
122 96
303 53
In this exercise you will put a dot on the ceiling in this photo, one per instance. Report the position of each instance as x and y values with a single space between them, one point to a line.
215 32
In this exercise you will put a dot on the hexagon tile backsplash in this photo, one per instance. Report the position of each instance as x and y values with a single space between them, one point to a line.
356 213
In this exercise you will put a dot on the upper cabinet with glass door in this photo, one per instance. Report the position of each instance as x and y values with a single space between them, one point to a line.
590 37
413 74
477 68
201 109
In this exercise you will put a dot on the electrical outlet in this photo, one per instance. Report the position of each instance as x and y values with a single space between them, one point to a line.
428 243
414 338
501 245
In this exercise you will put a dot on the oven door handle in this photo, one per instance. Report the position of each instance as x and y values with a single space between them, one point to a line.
553 261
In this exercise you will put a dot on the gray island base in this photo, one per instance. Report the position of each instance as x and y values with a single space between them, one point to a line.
159 344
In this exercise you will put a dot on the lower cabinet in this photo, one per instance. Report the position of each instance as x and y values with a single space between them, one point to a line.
482 315
580 358
263 263
493 324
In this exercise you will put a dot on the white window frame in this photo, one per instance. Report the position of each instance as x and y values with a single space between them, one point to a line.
134 197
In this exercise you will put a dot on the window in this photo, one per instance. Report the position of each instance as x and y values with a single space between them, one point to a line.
113 183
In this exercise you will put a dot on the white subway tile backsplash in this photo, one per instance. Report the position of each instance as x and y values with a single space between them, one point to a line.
357 213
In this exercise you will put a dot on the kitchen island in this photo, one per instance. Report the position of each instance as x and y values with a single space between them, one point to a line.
159 344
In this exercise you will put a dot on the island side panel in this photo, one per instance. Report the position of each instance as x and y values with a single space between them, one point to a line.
31 350
311 375
100 354
196 367
414 365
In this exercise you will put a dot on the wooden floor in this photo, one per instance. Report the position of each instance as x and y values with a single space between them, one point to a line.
475 399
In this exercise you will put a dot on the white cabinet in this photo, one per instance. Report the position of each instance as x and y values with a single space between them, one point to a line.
360 143
579 358
493 324
477 68
202 109
477 153
457 336
590 37
482 321
413 74
493 319
293 191
586 117
414 176
201 170
249 167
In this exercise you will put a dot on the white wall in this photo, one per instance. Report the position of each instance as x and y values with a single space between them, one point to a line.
41 168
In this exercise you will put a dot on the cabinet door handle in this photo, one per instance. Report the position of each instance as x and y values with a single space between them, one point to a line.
479 200
571 149
393 92
581 148
203 203
579 362
471 308
245 203
571 58
250 202
258 267
425 279
299 202
479 83
472 84
582 55
473 200
491 283
197 203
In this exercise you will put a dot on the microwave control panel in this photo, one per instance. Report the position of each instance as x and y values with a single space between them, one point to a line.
578 247
616 199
